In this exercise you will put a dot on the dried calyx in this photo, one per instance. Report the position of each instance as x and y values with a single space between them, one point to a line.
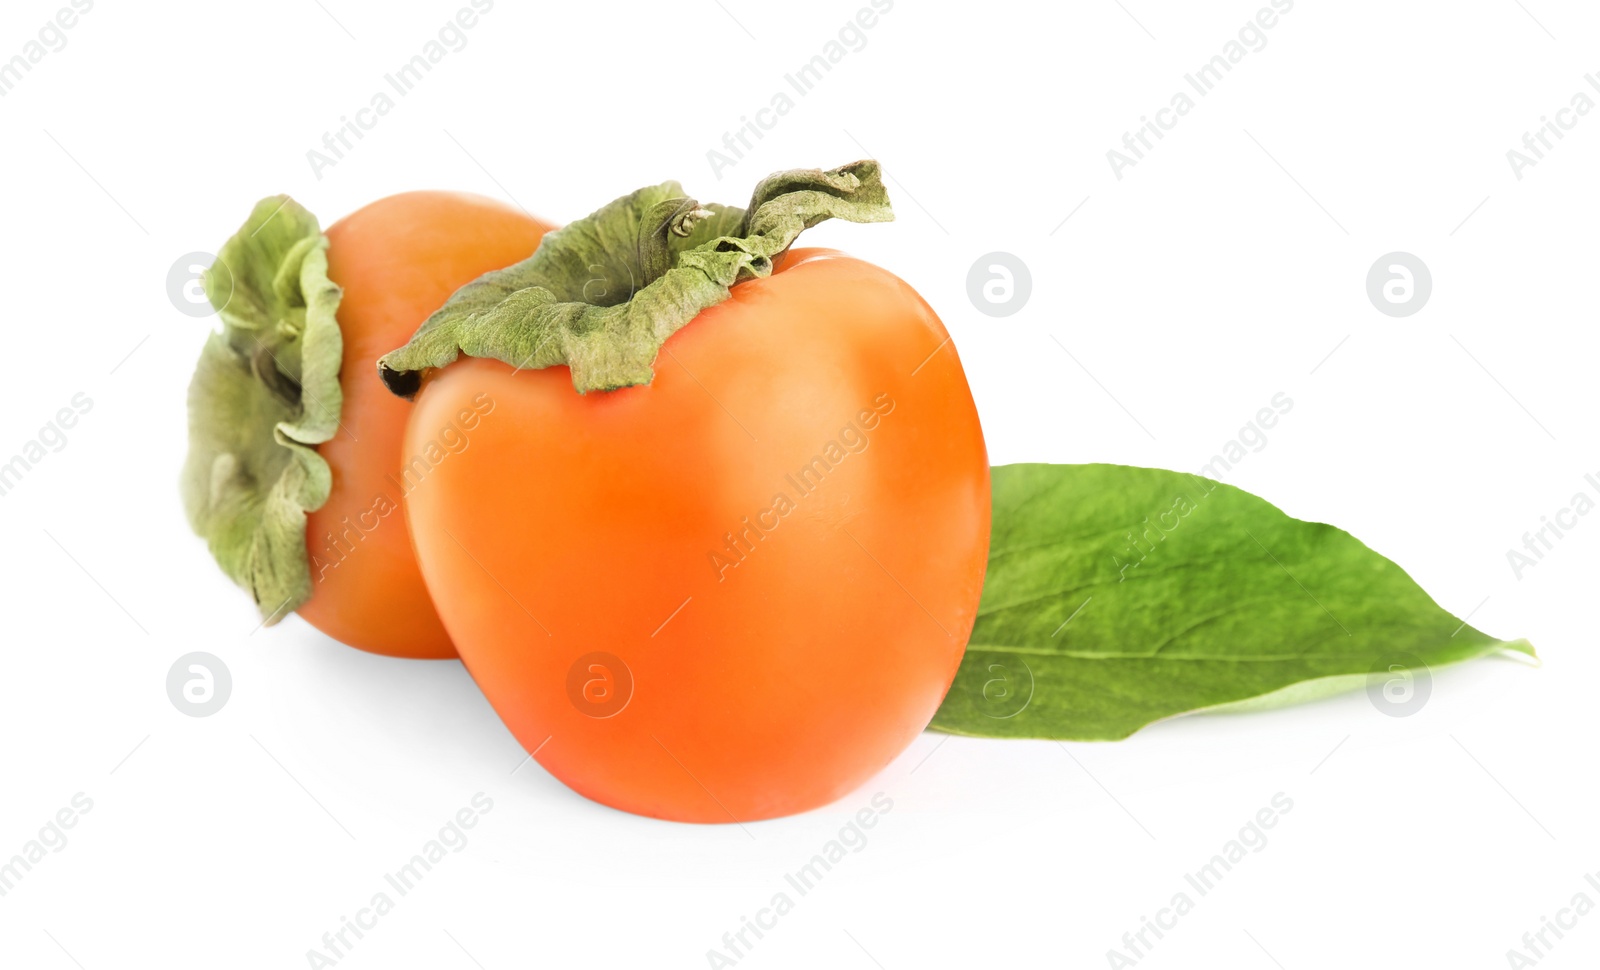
264 394
603 294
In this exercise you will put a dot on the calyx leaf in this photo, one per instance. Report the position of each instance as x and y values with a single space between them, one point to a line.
264 394
602 294
1120 596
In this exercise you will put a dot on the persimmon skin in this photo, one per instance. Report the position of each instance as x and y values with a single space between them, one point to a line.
397 260
577 524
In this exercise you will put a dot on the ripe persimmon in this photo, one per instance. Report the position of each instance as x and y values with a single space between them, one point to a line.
730 586
295 474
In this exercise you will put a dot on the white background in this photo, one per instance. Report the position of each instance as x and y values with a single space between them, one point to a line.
1222 269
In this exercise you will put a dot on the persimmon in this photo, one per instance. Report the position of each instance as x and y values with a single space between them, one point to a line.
725 583
295 473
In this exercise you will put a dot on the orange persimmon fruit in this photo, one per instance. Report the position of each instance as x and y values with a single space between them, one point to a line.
740 589
296 474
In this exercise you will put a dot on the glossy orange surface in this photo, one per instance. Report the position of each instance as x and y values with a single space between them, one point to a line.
734 593
398 260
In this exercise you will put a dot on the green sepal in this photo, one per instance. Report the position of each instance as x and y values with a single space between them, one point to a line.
603 294
264 394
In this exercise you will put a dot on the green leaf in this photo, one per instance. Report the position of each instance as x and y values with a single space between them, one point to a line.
264 394
604 293
1119 596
